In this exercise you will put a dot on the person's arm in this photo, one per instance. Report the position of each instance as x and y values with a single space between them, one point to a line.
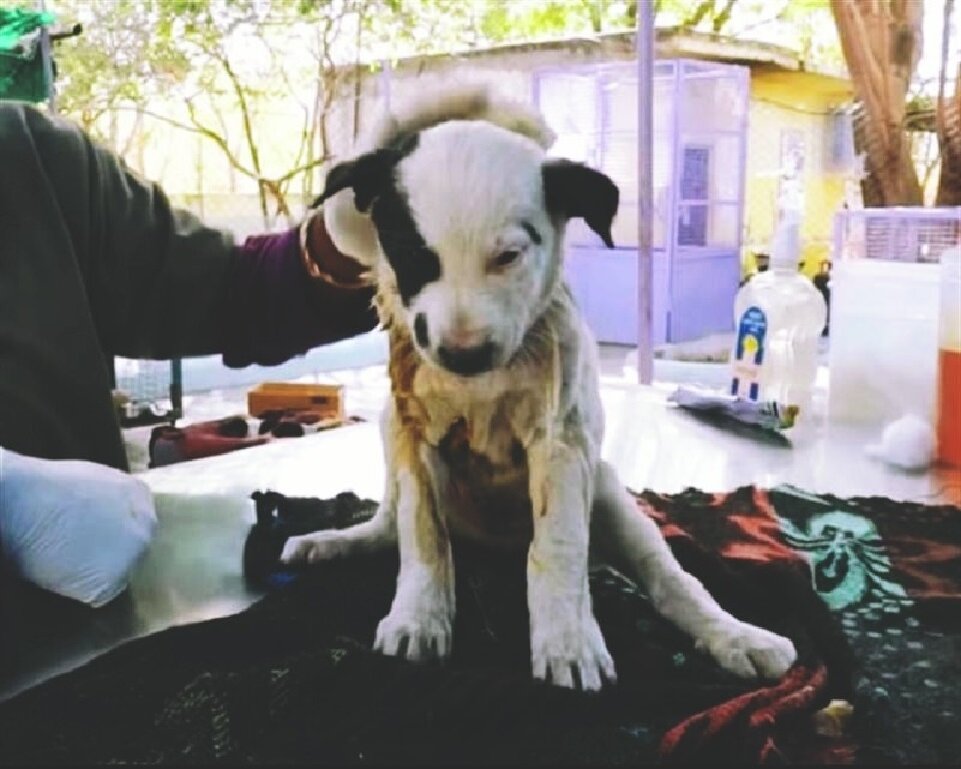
163 285
307 293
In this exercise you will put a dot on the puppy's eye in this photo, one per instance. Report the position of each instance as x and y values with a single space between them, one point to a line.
505 258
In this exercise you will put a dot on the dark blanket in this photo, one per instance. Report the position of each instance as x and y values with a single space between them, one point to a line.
293 679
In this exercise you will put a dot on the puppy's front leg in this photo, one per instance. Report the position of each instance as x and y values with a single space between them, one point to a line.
421 616
565 638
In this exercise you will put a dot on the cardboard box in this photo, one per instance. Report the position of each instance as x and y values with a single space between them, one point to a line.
323 399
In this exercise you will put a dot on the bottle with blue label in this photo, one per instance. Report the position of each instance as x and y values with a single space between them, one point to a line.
779 316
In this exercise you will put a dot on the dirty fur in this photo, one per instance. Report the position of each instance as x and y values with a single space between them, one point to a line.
510 454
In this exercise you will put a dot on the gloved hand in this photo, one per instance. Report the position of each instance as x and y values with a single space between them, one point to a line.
74 528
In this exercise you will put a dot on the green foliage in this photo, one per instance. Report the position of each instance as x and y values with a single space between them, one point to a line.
808 26
133 49
503 21
121 58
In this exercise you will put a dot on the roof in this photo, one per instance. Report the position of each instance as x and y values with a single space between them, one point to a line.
671 43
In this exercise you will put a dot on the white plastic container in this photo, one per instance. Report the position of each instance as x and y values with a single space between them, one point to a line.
884 340
778 319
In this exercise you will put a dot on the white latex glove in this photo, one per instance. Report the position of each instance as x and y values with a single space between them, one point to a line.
74 528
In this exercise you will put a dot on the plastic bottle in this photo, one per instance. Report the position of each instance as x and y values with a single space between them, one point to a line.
949 359
778 319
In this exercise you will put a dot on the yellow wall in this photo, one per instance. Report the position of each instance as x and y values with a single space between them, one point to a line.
783 101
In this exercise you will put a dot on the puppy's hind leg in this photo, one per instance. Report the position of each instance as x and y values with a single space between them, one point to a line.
631 542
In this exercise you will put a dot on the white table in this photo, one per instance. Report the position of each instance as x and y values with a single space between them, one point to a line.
193 568
653 445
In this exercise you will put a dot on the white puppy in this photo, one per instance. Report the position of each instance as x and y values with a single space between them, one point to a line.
493 431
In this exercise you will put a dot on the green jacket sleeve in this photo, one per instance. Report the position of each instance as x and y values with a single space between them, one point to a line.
155 276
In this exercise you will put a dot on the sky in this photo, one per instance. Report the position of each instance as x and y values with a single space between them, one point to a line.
930 63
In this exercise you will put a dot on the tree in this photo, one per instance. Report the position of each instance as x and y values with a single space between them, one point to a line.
882 44
238 55
881 40
948 122
218 68
106 68
502 21
213 69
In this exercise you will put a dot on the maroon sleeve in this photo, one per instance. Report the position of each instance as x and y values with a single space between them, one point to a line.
274 310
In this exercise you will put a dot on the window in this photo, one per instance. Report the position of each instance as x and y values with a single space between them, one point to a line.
839 151
697 170
692 225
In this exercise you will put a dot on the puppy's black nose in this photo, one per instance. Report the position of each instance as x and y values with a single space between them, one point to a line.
467 361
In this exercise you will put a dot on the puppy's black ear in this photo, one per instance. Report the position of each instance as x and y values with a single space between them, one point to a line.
368 176
575 190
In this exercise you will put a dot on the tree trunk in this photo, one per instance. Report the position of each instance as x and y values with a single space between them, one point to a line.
881 44
949 137
870 187
948 122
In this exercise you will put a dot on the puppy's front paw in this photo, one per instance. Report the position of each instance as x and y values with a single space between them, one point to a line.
417 631
749 651
312 548
568 650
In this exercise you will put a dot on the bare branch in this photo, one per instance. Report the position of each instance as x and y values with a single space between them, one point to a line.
309 166
198 128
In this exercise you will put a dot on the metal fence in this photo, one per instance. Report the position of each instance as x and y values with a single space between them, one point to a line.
896 234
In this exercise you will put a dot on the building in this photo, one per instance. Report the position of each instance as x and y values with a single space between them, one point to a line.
740 128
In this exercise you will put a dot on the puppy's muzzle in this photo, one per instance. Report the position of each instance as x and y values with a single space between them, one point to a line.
467 361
